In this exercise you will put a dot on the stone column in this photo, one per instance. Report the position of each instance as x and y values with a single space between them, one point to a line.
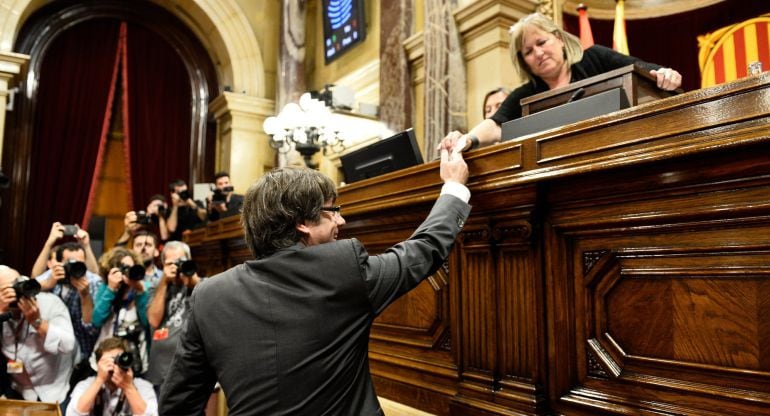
243 148
291 62
10 67
395 80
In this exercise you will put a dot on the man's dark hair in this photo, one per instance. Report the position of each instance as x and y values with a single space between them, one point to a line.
68 246
176 183
280 200
221 174
145 233
110 344
160 197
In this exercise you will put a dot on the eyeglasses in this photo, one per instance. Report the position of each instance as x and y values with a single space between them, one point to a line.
337 210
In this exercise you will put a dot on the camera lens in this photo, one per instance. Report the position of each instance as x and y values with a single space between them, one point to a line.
187 267
26 288
125 360
74 268
184 195
134 273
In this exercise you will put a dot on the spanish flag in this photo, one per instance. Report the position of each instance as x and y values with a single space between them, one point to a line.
619 41
586 37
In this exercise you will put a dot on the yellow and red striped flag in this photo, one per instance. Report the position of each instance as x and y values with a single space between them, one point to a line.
586 36
619 41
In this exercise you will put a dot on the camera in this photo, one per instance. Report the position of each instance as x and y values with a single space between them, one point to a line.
220 195
143 218
74 268
134 273
184 195
186 267
25 289
161 210
125 360
70 230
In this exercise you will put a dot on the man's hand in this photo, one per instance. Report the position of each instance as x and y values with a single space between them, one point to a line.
29 309
175 199
123 379
169 273
105 367
80 284
82 237
57 271
129 222
7 297
57 232
453 166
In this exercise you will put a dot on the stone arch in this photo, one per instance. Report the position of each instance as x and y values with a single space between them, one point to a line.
219 25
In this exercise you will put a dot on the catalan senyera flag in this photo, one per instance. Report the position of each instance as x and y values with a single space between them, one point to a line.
586 36
619 41
726 53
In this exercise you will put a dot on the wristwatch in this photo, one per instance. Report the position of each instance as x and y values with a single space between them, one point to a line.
36 324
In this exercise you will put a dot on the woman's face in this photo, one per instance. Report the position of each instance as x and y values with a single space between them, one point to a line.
493 103
543 52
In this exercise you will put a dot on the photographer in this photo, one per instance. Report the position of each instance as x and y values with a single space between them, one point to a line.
153 220
168 307
68 279
113 390
120 306
223 203
186 213
37 341
58 232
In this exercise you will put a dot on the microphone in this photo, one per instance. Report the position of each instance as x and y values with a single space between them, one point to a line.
578 94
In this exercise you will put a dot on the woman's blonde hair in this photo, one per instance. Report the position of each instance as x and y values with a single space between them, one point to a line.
573 51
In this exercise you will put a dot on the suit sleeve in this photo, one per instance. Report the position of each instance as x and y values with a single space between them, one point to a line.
189 380
405 265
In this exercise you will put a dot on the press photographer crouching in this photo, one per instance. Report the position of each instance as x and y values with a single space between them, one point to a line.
37 340
168 308
113 390
223 202
120 307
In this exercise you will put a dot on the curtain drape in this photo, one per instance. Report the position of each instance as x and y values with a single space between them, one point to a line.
73 96
158 114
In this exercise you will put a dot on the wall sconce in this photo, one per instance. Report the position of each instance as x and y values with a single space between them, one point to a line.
307 127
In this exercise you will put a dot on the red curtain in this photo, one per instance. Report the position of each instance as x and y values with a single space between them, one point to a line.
159 114
73 97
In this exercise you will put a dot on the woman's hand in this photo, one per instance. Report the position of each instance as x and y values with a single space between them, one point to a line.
668 79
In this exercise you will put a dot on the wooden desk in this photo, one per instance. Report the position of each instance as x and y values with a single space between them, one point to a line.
619 265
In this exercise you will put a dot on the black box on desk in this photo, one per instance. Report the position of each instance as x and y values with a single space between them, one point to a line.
583 109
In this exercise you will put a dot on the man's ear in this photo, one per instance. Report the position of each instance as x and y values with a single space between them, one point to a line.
302 228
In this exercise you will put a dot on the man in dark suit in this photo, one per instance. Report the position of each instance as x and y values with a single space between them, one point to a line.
288 332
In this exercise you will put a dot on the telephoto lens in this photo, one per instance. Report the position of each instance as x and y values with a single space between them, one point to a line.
125 360
74 268
187 267
134 273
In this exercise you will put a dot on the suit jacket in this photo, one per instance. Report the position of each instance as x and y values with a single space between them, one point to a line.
288 334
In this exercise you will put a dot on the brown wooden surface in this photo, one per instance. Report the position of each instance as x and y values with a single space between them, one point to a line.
618 265
21 407
639 86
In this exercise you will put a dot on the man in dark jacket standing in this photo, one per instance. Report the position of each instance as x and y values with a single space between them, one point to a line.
288 332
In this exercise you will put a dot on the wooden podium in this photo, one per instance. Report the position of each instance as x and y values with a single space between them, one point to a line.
640 87
619 265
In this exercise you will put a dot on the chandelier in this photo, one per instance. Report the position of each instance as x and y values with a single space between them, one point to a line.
306 127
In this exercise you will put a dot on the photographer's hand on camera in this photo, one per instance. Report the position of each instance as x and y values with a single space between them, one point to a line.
7 297
114 279
80 284
31 314
57 232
